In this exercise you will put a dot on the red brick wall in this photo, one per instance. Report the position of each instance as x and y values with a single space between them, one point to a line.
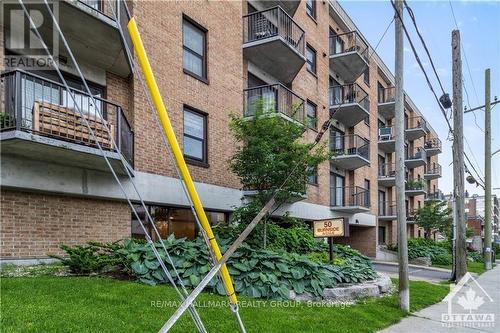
33 225
363 239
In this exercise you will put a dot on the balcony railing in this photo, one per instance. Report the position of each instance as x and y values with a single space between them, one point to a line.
415 185
44 107
388 95
433 143
348 94
387 170
387 208
386 133
437 195
349 196
434 169
348 42
416 122
273 22
411 215
347 145
275 98
415 154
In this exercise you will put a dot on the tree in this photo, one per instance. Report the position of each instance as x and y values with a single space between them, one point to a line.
434 215
269 149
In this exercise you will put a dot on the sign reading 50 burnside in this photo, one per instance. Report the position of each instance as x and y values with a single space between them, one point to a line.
337 227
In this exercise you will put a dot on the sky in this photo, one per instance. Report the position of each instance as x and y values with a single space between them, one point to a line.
479 25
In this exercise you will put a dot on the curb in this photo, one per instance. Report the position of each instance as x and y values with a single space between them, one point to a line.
437 269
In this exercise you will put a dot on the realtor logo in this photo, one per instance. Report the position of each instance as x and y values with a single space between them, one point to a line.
464 305
22 45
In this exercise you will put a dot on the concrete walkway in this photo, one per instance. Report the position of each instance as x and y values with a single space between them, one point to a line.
471 295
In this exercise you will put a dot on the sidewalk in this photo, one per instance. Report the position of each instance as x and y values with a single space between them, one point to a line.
430 319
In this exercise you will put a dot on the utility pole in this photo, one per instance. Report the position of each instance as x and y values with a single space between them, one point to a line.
458 158
404 291
487 170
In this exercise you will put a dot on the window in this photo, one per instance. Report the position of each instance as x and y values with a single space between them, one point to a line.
381 203
381 235
195 135
311 8
311 59
194 44
380 92
367 120
312 177
337 186
366 76
311 113
367 192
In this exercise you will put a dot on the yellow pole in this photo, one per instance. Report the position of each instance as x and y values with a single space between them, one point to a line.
179 158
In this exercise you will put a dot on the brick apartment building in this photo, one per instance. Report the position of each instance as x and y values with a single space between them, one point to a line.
475 218
211 59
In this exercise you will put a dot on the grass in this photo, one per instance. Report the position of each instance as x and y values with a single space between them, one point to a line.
472 267
84 304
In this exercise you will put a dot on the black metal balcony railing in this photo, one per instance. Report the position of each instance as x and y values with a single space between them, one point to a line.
416 122
387 208
348 94
386 133
44 107
387 170
433 143
417 154
387 95
411 215
349 145
434 169
275 98
273 22
349 196
437 195
415 185
348 42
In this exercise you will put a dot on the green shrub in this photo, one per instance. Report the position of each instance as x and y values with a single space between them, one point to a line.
496 249
421 247
442 259
94 257
475 256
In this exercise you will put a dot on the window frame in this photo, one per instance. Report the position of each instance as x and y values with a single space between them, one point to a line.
314 176
313 126
204 57
311 10
314 65
203 162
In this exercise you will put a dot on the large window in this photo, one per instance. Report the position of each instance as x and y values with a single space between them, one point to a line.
194 43
311 110
311 59
171 220
311 8
195 135
312 178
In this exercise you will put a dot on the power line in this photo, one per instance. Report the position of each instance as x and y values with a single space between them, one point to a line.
417 58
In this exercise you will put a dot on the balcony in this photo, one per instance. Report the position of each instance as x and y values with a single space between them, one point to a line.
387 211
92 35
40 121
387 103
432 147
274 99
349 199
350 152
274 42
416 127
415 158
290 6
348 55
432 171
387 174
411 216
349 104
435 196
386 139
415 187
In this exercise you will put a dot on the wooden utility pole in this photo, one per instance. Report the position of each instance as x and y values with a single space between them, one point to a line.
458 158
487 170
404 291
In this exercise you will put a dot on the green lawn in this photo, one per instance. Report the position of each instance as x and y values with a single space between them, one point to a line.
472 267
83 304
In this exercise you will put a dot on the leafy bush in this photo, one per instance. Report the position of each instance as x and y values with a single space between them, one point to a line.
442 259
496 249
91 258
421 247
475 256
256 273
296 239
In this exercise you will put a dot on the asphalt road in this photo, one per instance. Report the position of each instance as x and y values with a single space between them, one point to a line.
416 273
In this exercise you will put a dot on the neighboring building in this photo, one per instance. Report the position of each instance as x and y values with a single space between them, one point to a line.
210 61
